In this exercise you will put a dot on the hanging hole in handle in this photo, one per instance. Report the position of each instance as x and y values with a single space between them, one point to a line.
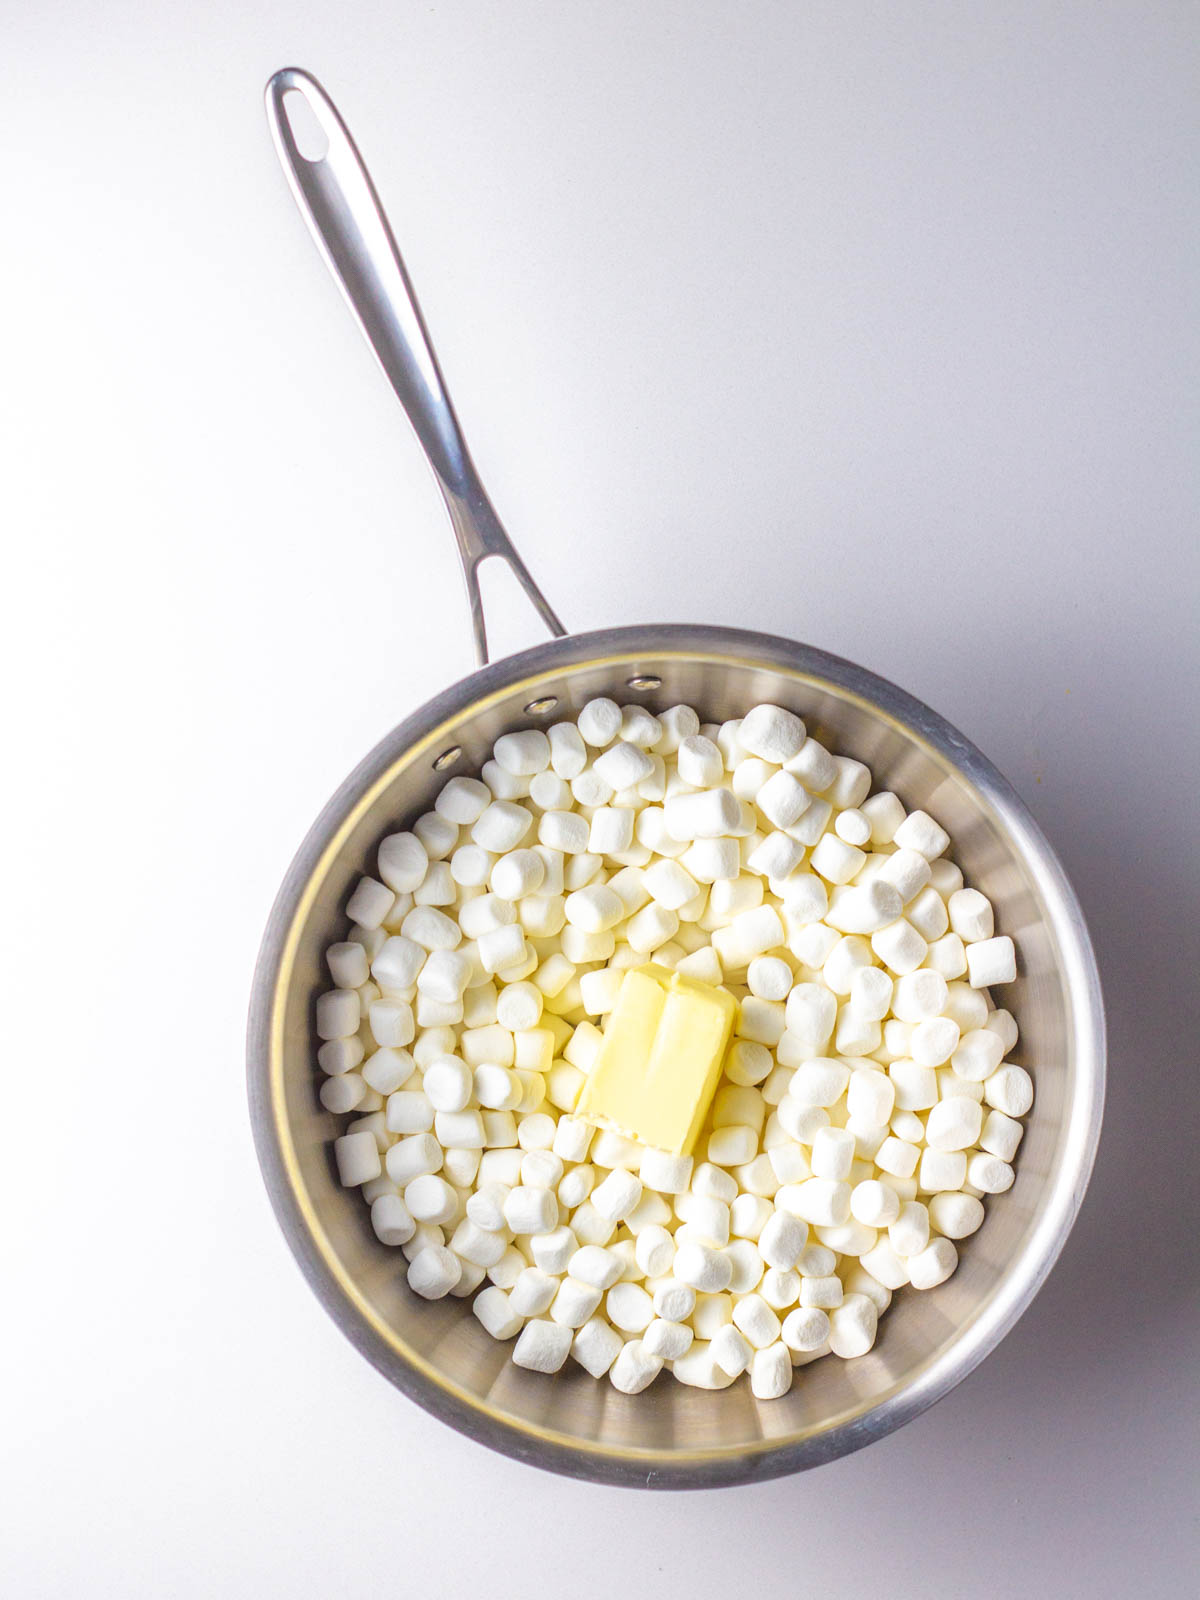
447 758
644 681
539 708
310 137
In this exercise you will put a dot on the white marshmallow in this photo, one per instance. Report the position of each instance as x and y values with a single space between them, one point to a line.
953 1124
991 961
771 733
823 1202
462 800
1001 1135
885 813
565 831
805 1329
863 908
956 1215
434 1272
357 1158
934 1041
899 946
933 1265
874 1204
987 1172
664 1172
700 762
370 903
783 800
629 1307
1010 1090
391 1220
835 860
618 1195
623 766
403 862
635 1368
852 1326
543 1346
920 832
706 814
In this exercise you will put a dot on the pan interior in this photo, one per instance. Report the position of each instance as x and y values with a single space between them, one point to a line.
672 1434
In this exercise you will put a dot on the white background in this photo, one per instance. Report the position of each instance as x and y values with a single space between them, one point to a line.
870 325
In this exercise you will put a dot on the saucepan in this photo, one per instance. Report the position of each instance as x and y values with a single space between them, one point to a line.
437 1353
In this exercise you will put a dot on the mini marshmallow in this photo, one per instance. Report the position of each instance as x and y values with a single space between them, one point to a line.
700 763
900 947
731 1350
1001 1136
403 862
706 814
771 733
501 948
370 903
823 1202
618 1195
865 908
338 1014
1009 1090
437 836
623 766
852 1326
991 961
347 963
781 1239
986 1172
954 1124
956 1215
433 1272
463 800
783 800
805 1329
629 1307
920 832
357 1157
565 831
666 1173
875 1205
934 1041
933 1265
543 1346
820 1081
429 928
885 813
635 1368
712 860
821 1293
702 1267
391 1220
448 1084
835 860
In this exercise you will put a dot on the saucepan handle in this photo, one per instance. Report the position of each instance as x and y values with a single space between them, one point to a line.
338 201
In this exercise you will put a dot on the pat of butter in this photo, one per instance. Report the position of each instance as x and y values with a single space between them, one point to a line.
659 1064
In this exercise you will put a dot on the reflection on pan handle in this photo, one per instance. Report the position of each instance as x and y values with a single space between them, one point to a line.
338 200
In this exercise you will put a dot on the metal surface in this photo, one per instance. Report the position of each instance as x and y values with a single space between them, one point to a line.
669 1436
340 205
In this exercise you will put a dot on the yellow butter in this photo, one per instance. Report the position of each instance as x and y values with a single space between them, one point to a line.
660 1061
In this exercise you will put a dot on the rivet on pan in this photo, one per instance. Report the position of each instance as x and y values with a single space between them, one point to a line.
645 681
538 708
447 758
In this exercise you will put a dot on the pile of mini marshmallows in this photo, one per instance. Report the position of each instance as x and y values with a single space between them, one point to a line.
865 1108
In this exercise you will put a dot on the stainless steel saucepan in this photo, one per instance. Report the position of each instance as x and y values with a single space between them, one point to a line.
670 1436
